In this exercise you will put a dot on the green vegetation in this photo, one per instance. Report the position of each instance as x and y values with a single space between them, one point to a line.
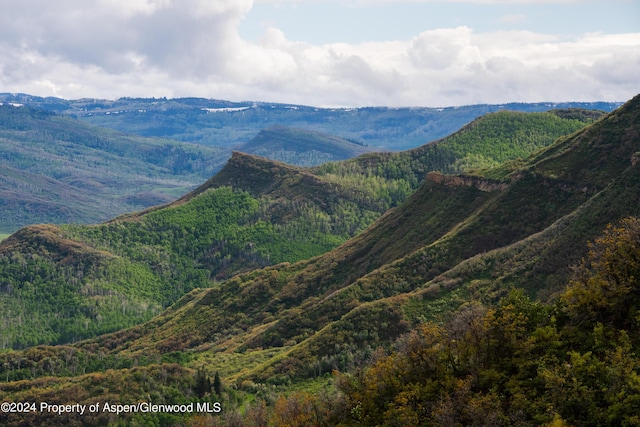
301 147
56 290
488 142
59 170
228 124
451 308
253 213
120 273
517 363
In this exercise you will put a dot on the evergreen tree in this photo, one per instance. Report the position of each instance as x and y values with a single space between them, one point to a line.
217 384
203 383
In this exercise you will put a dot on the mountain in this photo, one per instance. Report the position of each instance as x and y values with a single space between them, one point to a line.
105 277
59 170
526 229
252 213
231 124
486 142
301 147
459 241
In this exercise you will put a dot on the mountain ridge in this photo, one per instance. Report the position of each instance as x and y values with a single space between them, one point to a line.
230 124
58 170
301 147
410 260
265 212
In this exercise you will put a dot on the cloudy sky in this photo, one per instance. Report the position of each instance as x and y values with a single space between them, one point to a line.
324 52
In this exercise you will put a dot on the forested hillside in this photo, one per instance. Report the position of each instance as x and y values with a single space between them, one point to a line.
251 214
519 363
229 124
60 284
60 170
450 308
301 147
487 142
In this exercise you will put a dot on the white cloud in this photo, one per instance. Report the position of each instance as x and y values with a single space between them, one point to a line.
443 48
109 48
173 35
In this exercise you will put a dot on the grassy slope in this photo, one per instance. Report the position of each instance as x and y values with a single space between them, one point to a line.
538 228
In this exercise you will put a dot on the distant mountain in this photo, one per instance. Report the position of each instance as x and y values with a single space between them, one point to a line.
301 147
60 170
232 124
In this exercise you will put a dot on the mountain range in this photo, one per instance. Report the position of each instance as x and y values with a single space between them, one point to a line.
253 213
230 124
281 275
56 169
